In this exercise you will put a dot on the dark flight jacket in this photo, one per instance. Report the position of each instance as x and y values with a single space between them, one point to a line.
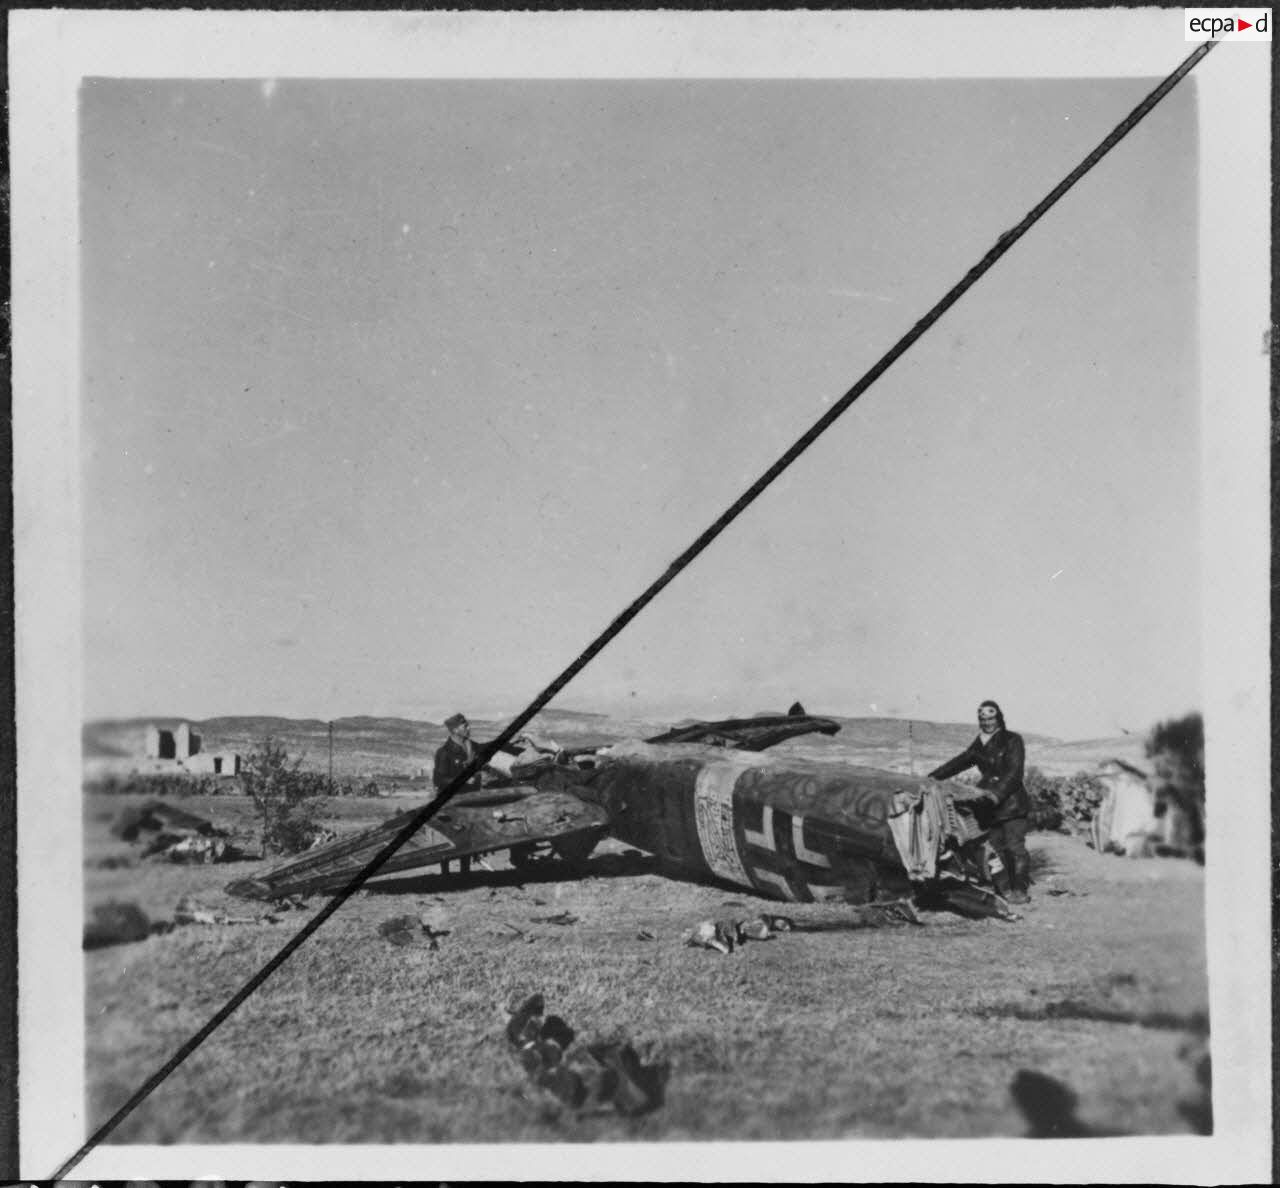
1000 763
451 758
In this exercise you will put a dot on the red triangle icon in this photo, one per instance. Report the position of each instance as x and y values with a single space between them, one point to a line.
1241 26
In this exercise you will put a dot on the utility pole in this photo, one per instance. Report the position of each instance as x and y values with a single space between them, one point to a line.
331 758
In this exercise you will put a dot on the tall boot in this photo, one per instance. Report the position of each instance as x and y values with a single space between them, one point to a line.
993 868
1019 875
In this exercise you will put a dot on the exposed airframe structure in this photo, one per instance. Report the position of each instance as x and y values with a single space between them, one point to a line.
706 801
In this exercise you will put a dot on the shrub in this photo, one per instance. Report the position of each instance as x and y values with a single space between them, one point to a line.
1176 750
160 784
1063 802
284 796
347 788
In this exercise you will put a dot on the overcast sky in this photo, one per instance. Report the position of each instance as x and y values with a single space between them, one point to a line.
395 393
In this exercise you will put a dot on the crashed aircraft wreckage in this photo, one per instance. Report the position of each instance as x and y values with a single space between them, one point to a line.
706 801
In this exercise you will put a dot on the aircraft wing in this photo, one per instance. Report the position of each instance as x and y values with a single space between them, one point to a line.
749 734
470 825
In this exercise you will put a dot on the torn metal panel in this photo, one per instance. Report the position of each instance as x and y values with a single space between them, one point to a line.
750 734
471 824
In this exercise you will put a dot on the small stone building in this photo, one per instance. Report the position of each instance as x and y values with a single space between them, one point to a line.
180 743
225 763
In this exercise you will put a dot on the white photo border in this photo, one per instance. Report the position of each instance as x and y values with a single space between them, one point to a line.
51 51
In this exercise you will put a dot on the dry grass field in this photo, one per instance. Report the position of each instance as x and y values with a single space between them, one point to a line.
833 1030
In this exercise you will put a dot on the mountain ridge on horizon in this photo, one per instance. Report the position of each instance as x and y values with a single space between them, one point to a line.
397 748
168 721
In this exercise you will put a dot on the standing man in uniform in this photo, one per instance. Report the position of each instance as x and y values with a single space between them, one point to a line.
1003 809
454 754
458 750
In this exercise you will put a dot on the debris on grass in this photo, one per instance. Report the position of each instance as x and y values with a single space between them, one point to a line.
191 911
757 930
587 1076
194 851
175 834
288 903
525 1022
435 923
638 1088
724 935
411 930
712 934
155 816
965 899
116 924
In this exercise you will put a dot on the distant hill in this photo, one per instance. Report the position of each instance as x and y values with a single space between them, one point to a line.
367 747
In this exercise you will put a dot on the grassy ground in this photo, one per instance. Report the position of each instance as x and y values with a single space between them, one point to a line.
831 1031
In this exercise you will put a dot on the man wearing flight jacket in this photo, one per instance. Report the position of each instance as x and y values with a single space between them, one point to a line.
458 750
1000 757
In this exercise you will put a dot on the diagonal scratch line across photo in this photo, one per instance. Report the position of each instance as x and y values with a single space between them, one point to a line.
388 385
516 726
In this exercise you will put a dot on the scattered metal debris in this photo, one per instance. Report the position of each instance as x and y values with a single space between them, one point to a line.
154 816
712 934
437 922
288 903
725 935
757 930
587 1076
176 834
195 851
412 930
